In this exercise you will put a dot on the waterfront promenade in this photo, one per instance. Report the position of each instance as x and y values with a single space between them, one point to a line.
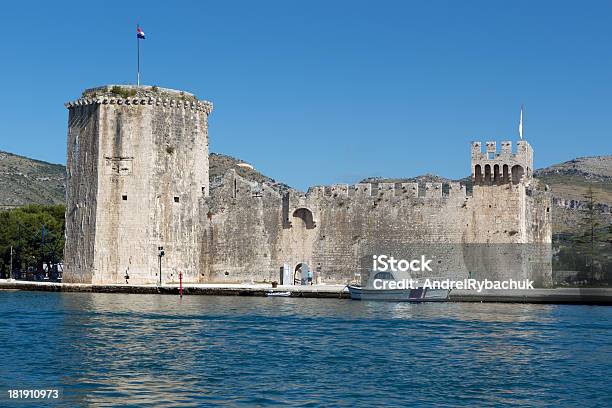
599 296
220 289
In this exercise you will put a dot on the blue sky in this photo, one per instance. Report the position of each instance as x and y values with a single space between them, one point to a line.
319 92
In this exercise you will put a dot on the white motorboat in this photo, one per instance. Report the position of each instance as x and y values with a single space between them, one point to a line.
278 294
417 293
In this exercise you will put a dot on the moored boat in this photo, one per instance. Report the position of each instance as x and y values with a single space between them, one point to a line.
278 294
417 293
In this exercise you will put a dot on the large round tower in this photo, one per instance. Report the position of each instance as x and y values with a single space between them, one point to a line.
137 172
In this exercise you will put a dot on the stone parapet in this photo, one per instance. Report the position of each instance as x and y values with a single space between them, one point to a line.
204 106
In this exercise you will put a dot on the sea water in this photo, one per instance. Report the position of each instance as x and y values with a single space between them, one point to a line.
160 350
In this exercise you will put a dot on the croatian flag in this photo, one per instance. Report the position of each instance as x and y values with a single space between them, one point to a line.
139 33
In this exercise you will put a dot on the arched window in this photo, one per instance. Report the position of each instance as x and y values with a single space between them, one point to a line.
305 215
496 176
506 174
477 174
487 174
517 174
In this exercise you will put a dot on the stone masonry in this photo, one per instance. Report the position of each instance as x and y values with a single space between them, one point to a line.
153 148
499 231
137 179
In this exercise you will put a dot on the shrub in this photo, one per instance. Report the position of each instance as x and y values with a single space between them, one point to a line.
122 92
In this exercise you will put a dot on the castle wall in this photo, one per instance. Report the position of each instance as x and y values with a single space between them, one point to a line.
138 180
492 234
242 232
391 221
508 233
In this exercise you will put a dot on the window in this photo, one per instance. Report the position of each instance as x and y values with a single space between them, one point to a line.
176 199
496 176
124 197
306 217
384 276
478 174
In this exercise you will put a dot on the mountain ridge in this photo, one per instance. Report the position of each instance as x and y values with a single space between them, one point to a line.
29 181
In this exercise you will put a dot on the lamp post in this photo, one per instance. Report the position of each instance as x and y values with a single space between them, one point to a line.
160 255
10 274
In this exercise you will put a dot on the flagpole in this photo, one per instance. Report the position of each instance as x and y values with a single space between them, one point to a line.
522 122
520 126
138 48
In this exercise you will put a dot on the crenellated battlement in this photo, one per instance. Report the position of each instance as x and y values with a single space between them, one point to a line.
388 190
204 106
143 95
239 189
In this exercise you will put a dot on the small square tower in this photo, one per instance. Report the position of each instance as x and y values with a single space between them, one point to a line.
493 168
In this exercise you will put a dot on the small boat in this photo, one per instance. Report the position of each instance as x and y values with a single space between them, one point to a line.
415 294
278 294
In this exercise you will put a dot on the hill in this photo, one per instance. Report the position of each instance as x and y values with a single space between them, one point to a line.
571 179
219 164
569 182
27 181
425 178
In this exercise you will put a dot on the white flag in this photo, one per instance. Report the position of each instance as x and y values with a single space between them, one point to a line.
521 124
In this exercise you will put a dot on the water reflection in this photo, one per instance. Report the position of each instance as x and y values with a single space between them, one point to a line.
151 350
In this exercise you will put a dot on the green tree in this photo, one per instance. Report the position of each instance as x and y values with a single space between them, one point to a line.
594 239
22 229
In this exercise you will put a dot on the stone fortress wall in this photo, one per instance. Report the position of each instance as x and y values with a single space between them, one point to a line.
153 148
501 230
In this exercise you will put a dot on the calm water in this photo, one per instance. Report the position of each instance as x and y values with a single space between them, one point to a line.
150 350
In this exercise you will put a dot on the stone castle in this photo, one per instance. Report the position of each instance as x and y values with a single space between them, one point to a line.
138 181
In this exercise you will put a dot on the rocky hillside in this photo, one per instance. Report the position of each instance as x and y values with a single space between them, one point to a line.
26 181
425 178
570 182
219 164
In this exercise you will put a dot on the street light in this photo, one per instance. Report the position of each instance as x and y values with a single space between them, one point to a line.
10 274
160 255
